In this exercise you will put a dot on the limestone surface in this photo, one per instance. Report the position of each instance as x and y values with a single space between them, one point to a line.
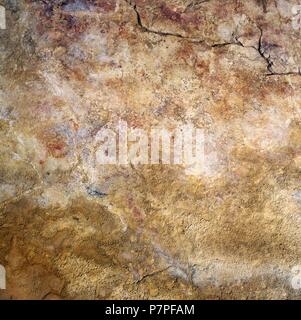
73 229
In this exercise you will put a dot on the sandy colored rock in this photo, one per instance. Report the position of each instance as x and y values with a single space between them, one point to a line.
73 229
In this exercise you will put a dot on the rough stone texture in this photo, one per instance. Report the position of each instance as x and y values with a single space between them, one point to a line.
72 230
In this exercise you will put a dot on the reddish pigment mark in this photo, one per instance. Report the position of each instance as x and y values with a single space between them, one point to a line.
170 14
105 5
44 108
59 26
138 215
56 147
186 53
179 17
221 12
74 125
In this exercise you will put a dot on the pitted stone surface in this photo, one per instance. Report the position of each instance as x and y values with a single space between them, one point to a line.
70 229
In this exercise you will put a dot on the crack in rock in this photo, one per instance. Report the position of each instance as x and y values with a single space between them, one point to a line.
259 49
160 33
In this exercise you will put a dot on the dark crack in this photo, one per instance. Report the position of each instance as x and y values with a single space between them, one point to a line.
152 274
264 5
289 73
260 48
94 192
157 32
269 61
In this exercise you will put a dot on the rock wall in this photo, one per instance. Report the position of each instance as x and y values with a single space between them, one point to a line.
73 229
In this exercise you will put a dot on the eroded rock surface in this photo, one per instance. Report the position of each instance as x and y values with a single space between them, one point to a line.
70 229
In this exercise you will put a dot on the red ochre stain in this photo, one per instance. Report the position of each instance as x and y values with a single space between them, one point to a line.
105 5
171 14
177 16
138 215
55 146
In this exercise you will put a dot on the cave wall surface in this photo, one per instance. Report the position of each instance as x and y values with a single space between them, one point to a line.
73 229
